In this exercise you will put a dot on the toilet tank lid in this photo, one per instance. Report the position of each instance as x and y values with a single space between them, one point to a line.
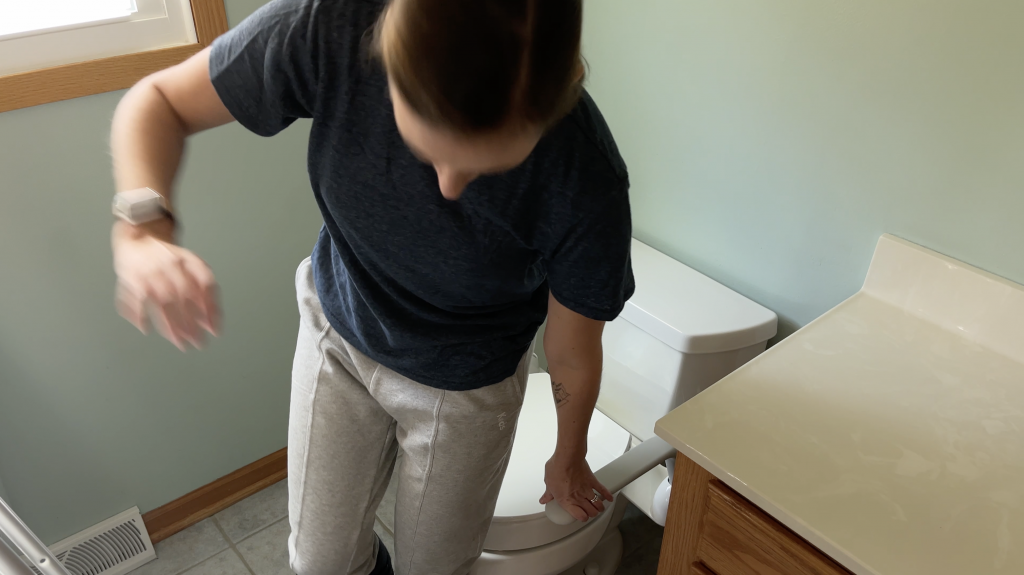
689 311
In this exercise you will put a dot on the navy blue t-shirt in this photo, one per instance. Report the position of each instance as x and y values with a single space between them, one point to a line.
447 293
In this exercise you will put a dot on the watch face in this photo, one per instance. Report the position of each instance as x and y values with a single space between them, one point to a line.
138 206
121 208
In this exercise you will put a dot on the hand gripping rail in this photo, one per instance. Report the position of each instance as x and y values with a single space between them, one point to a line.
624 470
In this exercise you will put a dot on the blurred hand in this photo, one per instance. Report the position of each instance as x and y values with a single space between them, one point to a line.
167 283
573 485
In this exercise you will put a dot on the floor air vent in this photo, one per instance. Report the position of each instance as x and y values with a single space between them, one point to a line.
113 547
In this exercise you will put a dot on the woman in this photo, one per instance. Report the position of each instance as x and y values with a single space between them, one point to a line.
469 187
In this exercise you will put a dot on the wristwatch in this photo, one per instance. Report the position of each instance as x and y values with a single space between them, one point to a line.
140 206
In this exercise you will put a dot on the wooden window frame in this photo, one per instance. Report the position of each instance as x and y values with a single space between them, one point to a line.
68 81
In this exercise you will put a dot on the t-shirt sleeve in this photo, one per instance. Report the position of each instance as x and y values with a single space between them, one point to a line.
590 271
264 69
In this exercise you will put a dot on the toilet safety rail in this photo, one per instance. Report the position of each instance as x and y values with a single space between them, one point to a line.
26 541
622 471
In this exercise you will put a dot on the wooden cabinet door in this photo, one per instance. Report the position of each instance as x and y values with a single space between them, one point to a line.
712 530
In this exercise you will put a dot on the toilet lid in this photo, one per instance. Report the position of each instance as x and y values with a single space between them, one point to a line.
519 520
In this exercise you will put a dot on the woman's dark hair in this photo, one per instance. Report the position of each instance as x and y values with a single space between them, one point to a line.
480 65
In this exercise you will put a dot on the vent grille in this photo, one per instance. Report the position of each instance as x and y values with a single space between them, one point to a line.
113 547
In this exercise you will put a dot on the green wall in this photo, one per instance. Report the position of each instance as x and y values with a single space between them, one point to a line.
771 143
94 417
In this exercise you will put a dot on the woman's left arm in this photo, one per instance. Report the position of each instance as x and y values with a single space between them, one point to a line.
572 344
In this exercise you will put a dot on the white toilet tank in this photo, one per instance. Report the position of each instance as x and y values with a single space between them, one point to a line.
679 333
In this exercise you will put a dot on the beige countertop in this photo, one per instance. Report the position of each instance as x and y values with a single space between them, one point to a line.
890 431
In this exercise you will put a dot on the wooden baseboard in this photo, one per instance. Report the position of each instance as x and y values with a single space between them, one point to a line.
192 508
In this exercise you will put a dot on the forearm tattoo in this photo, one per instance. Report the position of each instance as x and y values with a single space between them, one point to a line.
561 395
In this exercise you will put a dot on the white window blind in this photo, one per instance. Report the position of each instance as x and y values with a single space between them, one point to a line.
42 33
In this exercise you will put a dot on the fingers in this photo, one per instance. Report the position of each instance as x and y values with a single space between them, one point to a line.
131 307
179 295
165 311
206 300
577 505
577 512
572 505
592 506
190 304
575 488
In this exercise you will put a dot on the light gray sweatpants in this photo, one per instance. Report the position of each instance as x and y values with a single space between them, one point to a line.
349 417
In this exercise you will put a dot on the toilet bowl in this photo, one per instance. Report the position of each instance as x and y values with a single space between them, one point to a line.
677 335
522 539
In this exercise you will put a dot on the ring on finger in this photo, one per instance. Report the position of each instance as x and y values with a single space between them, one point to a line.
596 497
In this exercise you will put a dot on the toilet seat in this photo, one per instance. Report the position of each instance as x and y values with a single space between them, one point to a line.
519 520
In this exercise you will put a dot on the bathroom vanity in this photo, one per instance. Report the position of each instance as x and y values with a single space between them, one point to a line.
712 530
884 438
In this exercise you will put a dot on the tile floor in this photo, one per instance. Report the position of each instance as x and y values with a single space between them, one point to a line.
251 538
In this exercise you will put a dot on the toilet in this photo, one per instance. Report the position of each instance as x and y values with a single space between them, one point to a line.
677 335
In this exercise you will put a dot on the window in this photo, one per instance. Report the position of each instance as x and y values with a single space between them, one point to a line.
58 49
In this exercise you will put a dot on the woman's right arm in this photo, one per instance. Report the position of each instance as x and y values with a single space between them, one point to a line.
148 135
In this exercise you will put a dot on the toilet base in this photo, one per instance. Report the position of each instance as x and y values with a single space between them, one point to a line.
603 560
